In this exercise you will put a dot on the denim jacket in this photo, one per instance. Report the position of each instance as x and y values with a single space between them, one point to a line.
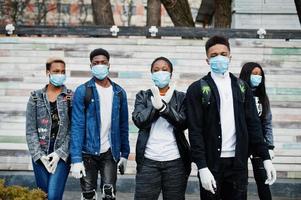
38 124
85 130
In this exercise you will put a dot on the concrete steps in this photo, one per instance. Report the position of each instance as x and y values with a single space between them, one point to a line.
22 70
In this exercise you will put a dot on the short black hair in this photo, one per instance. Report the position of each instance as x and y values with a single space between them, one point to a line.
166 60
54 60
216 40
99 51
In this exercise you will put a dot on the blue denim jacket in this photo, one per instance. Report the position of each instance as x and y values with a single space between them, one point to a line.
38 124
85 130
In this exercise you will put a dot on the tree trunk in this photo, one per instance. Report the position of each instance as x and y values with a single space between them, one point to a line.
206 12
223 14
102 12
179 12
153 13
298 7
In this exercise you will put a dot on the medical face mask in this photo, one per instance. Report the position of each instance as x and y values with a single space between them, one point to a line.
161 78
255 80
100 71
219 64
57 79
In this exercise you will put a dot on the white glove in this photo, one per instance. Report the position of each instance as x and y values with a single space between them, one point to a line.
78 170
156 98
207 180
271 172
122 165
272 154
45 161
54 157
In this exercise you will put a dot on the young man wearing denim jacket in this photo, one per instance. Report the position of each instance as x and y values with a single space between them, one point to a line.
99 132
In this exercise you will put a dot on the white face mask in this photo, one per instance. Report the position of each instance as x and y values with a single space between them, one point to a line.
100 71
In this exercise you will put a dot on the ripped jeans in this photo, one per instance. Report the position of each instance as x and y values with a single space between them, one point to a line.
231 184
106 165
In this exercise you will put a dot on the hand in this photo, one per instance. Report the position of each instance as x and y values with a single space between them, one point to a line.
207 180
156 98
78 170
272 154
54 159
122 165
45 161
271 172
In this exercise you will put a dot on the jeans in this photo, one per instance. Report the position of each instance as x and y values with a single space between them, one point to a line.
52 184
154 176
106 165
260 176
231 183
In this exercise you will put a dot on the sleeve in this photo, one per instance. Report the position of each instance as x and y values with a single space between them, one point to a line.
254 126
77 125
32 137
267 129
144 113
124 127
177 118
195 125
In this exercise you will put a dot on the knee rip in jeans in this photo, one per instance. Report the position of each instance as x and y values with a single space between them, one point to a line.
89 195
108 192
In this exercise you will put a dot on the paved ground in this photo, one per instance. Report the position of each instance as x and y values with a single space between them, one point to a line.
128 196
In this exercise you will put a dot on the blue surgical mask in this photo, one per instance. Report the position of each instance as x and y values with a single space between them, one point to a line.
100 71
219 64
57 79
255 80
161 78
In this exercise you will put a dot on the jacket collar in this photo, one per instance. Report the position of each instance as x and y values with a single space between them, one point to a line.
92 83
64 89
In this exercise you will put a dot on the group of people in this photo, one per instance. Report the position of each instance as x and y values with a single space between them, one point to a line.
228 120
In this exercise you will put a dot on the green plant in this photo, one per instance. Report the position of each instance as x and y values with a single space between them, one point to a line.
20 193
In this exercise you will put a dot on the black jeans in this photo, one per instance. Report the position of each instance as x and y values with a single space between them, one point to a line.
106 165
231 184
154 176
260 176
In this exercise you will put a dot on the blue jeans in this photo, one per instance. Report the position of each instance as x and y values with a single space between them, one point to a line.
52 184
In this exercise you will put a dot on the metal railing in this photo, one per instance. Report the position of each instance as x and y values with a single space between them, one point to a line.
114 31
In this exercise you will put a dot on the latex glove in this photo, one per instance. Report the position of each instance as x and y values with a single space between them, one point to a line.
271 172
45 161
207 180
54 160
122 165
78 170
272 154
156 98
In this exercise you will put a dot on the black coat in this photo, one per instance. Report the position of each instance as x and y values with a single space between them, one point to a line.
145 114
205 128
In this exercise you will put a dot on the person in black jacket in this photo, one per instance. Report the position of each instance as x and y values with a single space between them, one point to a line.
253 74
162 151
223 124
